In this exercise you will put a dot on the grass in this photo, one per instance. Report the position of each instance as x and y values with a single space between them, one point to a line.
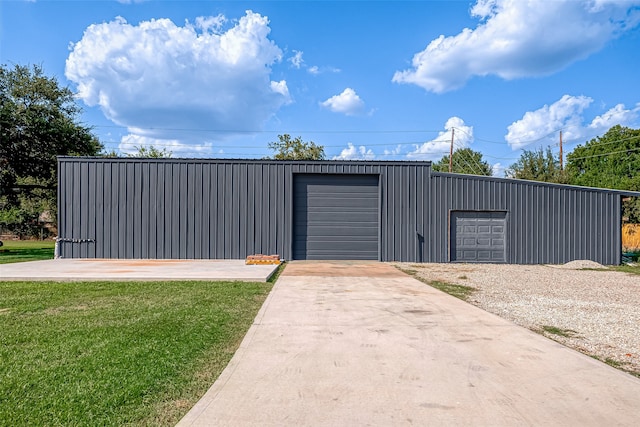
459 291
626 268
125 353
276 273
26 250
633 269
554 330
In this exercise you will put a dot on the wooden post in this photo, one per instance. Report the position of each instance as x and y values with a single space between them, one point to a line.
561 161
453 132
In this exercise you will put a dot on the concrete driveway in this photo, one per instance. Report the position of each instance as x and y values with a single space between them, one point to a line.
135 269
364 344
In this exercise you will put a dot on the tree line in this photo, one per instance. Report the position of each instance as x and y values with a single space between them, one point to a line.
40 120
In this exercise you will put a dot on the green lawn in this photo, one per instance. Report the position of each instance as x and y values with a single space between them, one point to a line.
633 269
26 250
125 353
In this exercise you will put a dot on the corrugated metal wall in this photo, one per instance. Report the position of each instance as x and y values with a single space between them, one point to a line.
193 208
546 223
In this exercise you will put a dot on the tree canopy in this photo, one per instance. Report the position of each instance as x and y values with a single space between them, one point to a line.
464 160
610 161
39 120
296 149
151 152
538 165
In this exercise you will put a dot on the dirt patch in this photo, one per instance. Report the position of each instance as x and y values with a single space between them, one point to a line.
341 269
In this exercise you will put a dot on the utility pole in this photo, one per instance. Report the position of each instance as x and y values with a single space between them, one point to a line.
561 161
453 132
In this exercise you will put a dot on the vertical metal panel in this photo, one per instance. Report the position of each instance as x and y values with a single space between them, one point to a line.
546 223
174 208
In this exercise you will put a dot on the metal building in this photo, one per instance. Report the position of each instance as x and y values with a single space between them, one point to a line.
378 210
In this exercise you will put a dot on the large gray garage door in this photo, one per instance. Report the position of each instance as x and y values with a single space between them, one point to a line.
478 236
335 217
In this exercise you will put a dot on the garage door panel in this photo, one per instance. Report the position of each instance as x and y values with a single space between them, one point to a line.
346 214
332 234
345 203
324 227
335 217
344 246
483 242
338 238
478 236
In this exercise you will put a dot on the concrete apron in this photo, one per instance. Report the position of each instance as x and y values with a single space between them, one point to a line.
136 270
364 344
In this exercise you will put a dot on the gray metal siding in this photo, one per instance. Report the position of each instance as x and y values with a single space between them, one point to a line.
336 217
547 223
217 209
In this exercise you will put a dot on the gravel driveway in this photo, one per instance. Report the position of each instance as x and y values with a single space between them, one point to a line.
599 311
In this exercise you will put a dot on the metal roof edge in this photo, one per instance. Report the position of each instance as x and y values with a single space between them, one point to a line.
538 183
239 161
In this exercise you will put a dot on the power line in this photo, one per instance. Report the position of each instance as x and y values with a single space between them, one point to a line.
605 154
262 131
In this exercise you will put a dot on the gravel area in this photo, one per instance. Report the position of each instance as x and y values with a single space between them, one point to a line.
598 310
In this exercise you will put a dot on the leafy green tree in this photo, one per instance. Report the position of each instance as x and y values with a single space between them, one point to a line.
610 161
151 152
538 165
296 149
39 120
465 160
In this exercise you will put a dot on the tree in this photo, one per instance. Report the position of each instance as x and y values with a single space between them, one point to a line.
465 160
610 161
538 165
296 149
38 121
151 152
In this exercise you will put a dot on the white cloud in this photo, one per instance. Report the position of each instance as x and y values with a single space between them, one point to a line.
164 81
355 153
210 23
498 169
618 115
394 151
348 102
129 144
281 88
315 70
296 60
520 39
545 122
542 126
440 145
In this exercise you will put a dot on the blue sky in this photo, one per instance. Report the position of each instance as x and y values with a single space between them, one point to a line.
386 80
